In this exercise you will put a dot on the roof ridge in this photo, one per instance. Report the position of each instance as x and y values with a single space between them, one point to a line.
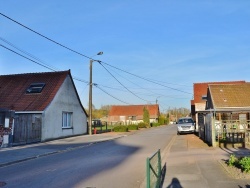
220 82
32 73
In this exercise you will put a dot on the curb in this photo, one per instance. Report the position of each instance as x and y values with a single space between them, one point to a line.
59 151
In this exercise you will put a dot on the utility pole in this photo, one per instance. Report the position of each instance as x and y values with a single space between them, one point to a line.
90 92
90 96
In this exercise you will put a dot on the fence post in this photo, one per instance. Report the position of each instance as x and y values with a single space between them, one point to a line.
159 168
148 172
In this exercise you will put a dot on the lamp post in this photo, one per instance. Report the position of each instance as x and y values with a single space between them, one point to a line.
90 92
156 101
156 109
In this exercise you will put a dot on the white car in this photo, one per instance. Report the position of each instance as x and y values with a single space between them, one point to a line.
185 125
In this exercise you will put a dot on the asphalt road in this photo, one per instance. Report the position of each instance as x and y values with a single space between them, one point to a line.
116 163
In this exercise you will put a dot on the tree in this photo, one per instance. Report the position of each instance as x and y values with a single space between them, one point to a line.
146 118
102 112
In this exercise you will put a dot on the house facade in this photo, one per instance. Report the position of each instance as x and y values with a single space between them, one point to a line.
132 114
200 97
46 106
226 116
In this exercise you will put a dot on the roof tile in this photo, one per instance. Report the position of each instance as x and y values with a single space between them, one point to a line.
13 88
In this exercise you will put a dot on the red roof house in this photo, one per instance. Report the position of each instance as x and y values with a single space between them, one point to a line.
200 95
127 114
46 106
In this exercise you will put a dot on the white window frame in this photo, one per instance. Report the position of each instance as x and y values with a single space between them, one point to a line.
67 120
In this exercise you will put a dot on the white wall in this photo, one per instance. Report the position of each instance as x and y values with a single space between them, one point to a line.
65 101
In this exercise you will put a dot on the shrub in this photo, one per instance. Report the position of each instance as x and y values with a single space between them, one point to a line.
142 125
232 160
155 124
120 128
132 127
245 164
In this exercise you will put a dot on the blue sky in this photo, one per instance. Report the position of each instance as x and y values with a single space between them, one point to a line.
158 48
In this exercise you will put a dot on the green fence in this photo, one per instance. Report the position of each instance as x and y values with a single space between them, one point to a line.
154 170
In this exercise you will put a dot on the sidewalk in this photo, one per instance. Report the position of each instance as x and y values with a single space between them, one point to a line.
17 154
192 163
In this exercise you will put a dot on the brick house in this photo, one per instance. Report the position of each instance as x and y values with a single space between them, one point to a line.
132 114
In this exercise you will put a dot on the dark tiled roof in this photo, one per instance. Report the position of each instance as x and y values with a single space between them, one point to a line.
230 96
13 88
200 89
133 110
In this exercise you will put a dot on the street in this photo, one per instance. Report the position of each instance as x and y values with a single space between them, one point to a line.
115 163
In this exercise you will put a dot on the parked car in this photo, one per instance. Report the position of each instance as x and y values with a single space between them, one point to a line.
96 122
185 125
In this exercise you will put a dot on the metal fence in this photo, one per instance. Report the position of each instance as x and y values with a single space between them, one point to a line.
153 167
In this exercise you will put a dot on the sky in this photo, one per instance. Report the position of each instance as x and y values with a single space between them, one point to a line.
153 51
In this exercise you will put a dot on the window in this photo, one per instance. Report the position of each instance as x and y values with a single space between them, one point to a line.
133 118
67 121
35 88
204 97
185 120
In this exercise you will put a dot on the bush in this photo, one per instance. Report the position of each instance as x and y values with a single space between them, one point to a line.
232 160
245 164
132 127
142 125
120 128
155 124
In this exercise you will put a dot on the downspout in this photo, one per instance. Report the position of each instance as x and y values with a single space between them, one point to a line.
213 130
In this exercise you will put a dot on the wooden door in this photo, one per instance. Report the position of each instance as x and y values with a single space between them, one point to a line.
27 129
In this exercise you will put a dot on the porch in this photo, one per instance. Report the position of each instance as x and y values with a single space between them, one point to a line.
224 129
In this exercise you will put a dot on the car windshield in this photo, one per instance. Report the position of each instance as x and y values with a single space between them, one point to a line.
185 121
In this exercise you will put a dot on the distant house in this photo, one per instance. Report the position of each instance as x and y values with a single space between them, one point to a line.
132 114
200 97
227 112
46 106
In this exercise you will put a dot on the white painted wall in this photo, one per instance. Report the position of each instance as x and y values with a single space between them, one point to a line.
65 101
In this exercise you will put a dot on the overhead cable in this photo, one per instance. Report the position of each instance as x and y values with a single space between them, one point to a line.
88 56
27 53
27 57
110 94
146 78
78 79
45 36
121 83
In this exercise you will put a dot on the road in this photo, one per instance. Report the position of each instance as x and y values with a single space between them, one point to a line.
116 163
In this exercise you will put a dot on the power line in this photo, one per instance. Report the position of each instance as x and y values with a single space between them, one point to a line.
146 78
121 83
27 53
110 94
90 57
78 79
26 57
45 36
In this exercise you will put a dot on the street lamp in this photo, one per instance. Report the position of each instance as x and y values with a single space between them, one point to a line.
90 92
157 99
156 109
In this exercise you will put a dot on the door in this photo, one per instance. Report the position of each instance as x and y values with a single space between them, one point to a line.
27 129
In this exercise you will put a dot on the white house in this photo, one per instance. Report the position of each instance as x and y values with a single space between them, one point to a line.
46 106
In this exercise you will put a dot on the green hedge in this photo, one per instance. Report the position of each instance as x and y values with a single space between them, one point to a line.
155 124
142 125
132 127
120 128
